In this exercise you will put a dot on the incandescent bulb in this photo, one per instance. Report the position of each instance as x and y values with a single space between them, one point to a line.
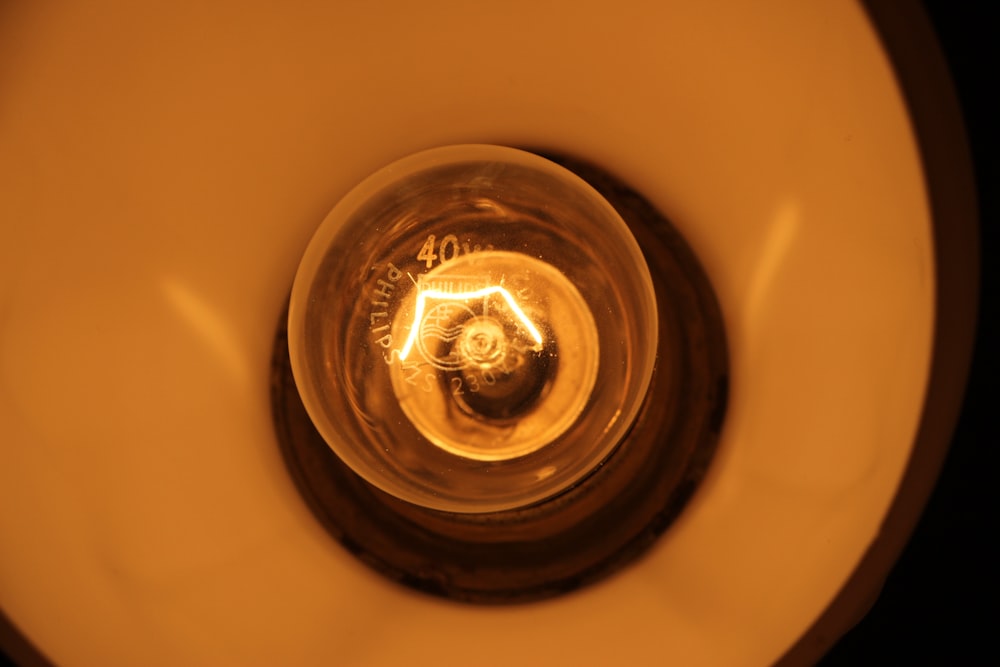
473 329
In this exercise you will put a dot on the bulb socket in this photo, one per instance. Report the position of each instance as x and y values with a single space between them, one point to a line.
589 529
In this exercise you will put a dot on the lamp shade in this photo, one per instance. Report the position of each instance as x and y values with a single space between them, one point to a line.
163 167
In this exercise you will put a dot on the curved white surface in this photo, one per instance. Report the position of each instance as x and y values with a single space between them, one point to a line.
161 170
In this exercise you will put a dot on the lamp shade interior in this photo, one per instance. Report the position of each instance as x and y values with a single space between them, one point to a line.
162 169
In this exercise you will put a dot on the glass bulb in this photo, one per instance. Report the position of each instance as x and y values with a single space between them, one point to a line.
473 329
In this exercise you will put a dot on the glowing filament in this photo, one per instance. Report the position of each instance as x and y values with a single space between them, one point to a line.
465 296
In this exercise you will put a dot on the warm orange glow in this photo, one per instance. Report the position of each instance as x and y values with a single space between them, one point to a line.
483 293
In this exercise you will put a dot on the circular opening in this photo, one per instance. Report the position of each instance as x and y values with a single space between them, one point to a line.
528 354
472 329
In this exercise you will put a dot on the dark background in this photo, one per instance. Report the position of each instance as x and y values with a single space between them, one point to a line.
937 603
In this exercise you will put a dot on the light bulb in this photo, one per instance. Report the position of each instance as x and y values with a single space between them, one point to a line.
473 329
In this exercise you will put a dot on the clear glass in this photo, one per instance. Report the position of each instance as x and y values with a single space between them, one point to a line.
473 329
